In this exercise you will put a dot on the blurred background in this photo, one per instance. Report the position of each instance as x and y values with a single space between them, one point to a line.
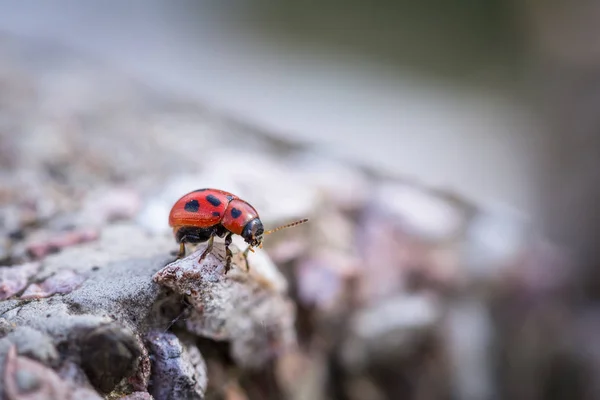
448 151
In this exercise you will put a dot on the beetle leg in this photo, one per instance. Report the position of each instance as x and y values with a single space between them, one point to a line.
228 252
181 252
245 254
209 247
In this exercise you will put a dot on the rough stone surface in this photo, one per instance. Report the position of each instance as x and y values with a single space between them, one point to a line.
178 370
14 279
245 309
34 344
62 282
26 379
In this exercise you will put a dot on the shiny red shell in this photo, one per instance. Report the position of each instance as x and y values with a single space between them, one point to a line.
205 208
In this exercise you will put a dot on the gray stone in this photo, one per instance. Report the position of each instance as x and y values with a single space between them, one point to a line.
178 369
246 309
34 344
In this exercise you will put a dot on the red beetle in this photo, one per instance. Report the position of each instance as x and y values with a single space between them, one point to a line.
201 215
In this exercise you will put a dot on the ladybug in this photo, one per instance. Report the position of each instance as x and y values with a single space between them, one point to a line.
201 215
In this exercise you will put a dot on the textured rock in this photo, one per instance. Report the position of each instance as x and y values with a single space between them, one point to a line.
247 309
62 282
95 322
34 344
26 379
108 354
14 279
178 370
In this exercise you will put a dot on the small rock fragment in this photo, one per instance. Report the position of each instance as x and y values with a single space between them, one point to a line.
62 282
109 354
42 249
139 381
239 307
178 369
25 379
14 279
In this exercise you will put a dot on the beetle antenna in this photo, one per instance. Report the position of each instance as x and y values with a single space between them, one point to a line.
286 226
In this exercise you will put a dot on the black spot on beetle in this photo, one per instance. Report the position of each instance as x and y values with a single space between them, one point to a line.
213 200
192 206
216 214
229 197
235 213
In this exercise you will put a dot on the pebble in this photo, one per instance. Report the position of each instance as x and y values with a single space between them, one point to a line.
62 282
178 369
26 379
14 279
